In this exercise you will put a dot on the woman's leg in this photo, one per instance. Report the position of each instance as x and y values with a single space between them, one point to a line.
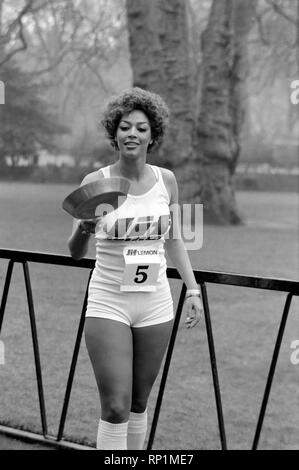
109 345
149 346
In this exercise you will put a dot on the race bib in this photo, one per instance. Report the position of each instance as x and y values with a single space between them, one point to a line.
141 269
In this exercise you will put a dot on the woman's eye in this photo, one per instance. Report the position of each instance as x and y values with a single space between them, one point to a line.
127 128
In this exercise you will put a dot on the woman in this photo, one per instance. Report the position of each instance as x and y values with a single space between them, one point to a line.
130 310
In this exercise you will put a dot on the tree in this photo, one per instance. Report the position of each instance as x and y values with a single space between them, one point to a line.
224 50
273 56
297 38
276 63
12 35
26 123
69 49
158 40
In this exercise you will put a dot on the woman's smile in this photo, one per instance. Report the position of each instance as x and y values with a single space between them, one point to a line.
131 145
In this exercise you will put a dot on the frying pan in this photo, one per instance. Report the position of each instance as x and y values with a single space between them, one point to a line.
83 202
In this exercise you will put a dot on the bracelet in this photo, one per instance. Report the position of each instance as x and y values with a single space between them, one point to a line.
192 293
83 231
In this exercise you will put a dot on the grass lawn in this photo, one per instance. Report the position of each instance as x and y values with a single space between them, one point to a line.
245 323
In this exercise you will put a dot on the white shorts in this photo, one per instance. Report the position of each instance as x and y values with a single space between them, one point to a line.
136 309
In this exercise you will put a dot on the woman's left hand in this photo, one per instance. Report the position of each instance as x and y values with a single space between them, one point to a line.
194 311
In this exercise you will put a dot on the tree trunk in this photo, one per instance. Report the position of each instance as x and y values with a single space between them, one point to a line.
158 39
2 90
224 45
1 31
297 64
297 37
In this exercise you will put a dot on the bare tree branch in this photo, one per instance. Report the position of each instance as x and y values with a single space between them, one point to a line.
17 26
279 9
260 25
23 46
28 8
98 75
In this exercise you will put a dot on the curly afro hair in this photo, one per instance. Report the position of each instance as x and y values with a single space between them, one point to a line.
137 98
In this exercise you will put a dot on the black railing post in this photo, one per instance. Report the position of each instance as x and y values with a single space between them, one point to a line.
38 368
214 366
166 367
5 291
272 371
73 365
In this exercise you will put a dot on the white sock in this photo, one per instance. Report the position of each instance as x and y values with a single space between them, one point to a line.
112 436
137 430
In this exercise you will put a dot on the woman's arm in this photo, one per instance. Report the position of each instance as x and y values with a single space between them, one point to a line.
82 229
78 241
178 254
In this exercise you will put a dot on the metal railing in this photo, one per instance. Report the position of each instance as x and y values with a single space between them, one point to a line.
202 277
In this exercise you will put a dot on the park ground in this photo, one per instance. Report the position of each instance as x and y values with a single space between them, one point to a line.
245 323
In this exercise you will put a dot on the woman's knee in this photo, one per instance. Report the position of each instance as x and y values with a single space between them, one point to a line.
115 409
139 404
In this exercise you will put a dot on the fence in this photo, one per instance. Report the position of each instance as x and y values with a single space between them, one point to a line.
202 278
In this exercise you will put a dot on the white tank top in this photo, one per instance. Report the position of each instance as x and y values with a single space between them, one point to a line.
142 220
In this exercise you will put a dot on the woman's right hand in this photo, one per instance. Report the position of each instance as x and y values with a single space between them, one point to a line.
88 225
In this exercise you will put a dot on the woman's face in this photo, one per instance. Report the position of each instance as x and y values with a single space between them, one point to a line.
133 134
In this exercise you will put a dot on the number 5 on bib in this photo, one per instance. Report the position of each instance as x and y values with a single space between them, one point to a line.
141 269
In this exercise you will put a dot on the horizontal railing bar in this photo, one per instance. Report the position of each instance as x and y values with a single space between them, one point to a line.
20 256
242 280
214 277
28 436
